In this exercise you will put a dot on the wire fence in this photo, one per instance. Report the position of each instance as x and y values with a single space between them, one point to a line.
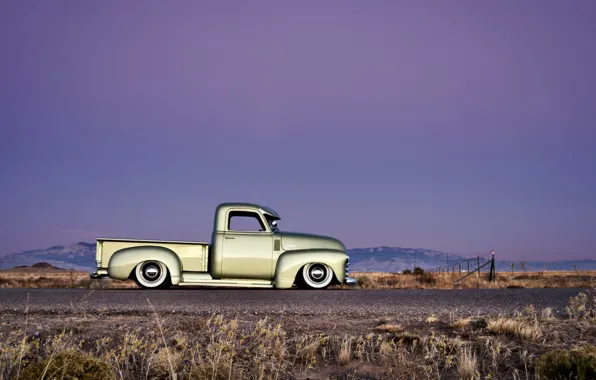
484 262
466 265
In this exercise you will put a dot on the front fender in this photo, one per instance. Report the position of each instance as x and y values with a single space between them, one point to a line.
123 262
290 262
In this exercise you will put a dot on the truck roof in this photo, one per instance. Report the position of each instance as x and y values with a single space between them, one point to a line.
264 209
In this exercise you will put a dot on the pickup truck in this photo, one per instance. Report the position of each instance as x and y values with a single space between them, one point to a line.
247 250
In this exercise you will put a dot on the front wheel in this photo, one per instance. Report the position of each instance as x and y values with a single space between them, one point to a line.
316 276
152 275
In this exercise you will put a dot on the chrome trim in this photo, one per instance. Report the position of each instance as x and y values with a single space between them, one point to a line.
351 281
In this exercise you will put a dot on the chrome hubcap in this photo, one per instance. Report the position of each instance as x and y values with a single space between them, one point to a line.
151 272
317 273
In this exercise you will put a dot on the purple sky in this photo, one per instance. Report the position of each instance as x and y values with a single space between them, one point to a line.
460 126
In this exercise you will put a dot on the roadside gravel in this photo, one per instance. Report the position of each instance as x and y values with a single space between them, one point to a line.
403 304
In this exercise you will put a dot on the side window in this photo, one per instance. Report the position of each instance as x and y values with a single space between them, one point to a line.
245 221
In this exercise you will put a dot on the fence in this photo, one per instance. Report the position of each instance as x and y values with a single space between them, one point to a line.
481 263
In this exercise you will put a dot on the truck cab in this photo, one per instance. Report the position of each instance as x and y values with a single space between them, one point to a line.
247 249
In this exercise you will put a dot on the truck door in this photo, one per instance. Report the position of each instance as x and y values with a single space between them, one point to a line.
247 247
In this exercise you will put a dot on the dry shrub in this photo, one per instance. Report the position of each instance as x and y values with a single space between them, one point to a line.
498 350
440 352
366 282
69 365
15 351
345 351
461 323
426 278
583 306
514 327
133 354
307 349
478 323
578 364
230 352
432 319
547 313
389 328
475 323
467 364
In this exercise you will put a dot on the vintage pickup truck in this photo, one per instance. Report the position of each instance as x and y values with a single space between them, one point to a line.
247 250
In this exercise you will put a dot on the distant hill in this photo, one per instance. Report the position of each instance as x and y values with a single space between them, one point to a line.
81 256
35 268
78 256
396 259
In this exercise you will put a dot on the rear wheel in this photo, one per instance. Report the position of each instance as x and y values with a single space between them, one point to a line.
316 276
152 275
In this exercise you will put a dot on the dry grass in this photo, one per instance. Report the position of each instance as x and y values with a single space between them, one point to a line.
521 346
552 279
58 279
432 319
366 280
345 351
389 328
515 328
467 364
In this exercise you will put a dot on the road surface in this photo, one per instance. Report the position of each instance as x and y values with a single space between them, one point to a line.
406 304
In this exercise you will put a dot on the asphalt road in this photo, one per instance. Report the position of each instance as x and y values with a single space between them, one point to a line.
353 302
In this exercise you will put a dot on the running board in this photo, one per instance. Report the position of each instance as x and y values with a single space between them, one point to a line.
195 277
205 279
217 283
229 284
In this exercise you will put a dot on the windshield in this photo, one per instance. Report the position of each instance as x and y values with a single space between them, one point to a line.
272 222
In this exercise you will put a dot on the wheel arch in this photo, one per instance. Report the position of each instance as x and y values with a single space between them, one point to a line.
290 263
123 262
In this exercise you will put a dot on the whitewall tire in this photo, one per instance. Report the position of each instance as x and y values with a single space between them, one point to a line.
316 275
152 274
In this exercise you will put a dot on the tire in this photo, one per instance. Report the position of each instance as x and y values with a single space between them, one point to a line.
152 275
316 276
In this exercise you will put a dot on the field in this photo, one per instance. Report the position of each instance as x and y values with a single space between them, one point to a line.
88 341
57 279
53 278
530 343
552 279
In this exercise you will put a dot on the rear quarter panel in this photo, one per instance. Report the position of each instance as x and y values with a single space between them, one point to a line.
120 257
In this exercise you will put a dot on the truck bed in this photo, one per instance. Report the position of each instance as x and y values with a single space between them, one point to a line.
194 255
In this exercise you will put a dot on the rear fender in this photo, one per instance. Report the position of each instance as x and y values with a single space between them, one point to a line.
290 262
123 262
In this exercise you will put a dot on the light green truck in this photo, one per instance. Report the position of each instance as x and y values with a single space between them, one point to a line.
247 250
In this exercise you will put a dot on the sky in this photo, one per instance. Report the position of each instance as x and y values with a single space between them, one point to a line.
459 126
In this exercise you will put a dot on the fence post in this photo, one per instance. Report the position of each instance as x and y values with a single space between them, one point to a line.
493 274
459 265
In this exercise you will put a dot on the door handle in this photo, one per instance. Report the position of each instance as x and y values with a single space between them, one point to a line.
230 237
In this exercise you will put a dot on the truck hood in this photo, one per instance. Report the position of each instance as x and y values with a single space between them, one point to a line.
293 240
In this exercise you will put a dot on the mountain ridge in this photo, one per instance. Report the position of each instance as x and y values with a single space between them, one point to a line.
81 256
